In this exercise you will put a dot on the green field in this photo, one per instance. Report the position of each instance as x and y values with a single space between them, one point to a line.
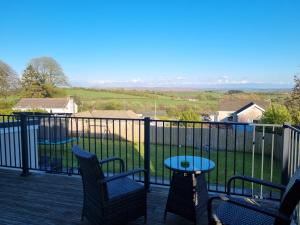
199 101
139 100
171 101
133 154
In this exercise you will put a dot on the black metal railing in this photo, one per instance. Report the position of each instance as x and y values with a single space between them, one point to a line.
236 148
291 157
44 143
10 142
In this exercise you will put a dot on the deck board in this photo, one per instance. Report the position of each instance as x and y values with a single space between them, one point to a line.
50 199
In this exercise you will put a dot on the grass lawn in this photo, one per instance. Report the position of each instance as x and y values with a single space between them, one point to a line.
227 163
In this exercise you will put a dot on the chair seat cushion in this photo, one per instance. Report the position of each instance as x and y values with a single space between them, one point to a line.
122 187
228 213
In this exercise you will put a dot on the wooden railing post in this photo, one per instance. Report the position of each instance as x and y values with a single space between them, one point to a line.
147 152
285 153
24 144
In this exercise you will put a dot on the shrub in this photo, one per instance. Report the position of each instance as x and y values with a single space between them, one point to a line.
276 114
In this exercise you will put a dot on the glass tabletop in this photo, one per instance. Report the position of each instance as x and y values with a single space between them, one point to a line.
189 164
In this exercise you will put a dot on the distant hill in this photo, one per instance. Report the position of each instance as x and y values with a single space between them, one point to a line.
169 100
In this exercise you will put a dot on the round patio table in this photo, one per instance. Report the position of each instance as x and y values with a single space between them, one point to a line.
188 190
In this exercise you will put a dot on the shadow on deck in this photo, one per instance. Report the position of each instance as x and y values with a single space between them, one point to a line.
57 200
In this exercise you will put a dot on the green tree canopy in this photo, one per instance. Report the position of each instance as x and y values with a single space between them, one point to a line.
33 84
293 101
50 69
189 116
9 80
276 114
230 92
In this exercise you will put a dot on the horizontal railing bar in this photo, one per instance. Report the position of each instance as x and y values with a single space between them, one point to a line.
291 127
264 125
86 118
157 120
203 122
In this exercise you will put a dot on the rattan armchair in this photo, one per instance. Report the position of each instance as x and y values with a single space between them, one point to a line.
109 200
236 211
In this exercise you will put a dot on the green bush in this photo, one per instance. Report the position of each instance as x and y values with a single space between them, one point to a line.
6 111
276 114
189 116
5 105
113 106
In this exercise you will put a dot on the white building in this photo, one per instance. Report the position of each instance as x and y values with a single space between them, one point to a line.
51 105
239 111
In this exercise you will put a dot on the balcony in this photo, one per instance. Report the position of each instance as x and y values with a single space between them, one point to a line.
53 199
52 192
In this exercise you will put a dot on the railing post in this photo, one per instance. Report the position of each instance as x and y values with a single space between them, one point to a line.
147 152
24 144
285 153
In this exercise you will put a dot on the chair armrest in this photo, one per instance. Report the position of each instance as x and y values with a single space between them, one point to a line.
254 180
227 198
121 175
113 159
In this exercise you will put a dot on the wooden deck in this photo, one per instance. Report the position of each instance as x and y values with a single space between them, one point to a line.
57 200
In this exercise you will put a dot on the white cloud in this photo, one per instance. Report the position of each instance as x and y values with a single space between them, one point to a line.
226 80
135 81
180 78
177 81
107 82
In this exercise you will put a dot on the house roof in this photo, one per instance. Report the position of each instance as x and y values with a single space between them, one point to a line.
238 105
41 103
109 114
246 107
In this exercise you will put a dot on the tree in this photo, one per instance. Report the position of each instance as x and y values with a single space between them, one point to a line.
9 80
113 105
189 116
230 92
50 69
293 101
33 84
276 114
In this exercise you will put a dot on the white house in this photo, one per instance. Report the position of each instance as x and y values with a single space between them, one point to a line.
235 110
51 105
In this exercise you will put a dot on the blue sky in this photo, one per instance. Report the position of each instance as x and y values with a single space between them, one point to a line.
157 43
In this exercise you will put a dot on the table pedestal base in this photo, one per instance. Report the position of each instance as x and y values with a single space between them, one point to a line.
187 195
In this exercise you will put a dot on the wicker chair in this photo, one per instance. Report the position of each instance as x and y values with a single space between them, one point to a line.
109 200
235 211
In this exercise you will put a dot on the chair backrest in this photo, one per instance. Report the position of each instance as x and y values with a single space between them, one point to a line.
291 195
92 176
